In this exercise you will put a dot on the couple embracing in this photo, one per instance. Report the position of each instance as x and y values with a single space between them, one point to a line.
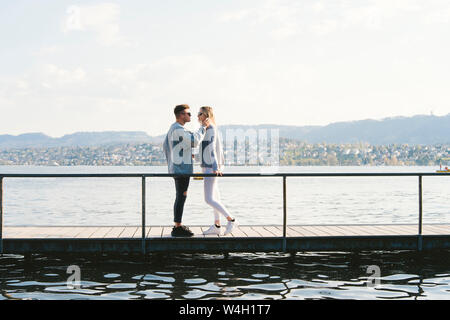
178 146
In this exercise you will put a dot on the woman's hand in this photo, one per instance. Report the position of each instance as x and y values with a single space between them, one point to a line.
218 173
206 123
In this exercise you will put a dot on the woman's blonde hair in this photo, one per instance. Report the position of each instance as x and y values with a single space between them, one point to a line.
208 112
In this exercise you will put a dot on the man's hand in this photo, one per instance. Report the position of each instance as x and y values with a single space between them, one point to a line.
218 173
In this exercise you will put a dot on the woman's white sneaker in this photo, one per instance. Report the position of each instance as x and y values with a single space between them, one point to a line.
214 230
230 226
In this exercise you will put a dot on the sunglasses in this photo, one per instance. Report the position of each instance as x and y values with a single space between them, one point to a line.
200 114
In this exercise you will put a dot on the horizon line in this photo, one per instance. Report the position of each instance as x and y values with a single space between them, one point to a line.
242 125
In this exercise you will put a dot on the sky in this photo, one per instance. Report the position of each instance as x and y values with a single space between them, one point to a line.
69 66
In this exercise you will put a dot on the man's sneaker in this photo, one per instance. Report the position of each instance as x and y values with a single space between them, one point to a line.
181 231
214 230
230 226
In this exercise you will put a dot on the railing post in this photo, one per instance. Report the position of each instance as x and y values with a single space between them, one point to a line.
419 243
284 213
143 214
1 215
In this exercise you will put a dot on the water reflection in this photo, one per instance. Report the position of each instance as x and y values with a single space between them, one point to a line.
312 275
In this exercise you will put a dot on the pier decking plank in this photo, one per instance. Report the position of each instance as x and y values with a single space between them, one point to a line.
100 232
436 229
296 231
263 238
11 232
138 233
402 229
336 231
64 232
445 228
249 231
42 232
17 232
324 231
308 231
115 232
167 232
377 230
373 230
129 232
274 231
351 230
198 232
78 232
262 231
155 232
86 232
230 235
237 232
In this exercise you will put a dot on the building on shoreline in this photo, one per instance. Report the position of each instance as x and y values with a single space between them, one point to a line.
292 152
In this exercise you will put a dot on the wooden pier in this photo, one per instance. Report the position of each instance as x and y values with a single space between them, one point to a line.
288 238
114 239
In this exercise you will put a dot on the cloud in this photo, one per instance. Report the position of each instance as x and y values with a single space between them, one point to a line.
441 16
142 95
61 76
288 18
49 50
101 19
282 15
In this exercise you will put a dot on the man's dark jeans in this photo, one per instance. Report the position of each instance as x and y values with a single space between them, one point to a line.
181 186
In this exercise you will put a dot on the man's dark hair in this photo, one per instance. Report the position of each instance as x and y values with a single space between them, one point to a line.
180 108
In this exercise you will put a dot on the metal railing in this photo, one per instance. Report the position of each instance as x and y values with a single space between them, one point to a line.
284 176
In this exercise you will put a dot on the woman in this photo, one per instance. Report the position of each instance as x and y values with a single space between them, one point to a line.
212 162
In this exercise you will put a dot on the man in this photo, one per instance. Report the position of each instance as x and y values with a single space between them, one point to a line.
178 150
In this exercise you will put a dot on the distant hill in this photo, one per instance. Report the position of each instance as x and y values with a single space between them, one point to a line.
421 129
80 139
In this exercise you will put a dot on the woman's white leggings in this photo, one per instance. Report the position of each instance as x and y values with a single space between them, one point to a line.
212 195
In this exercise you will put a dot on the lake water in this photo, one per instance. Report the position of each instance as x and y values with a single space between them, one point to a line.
331 200
308 275
305 275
